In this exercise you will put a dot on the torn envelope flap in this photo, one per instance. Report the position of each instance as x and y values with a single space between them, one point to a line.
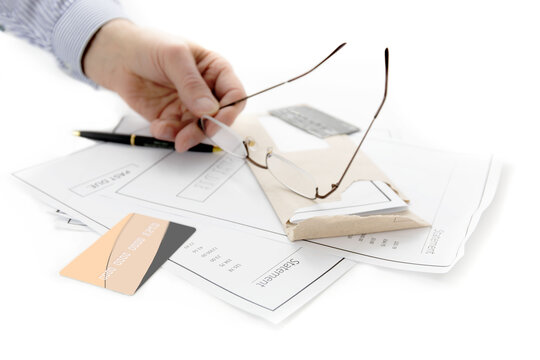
360 198
344 225
327 166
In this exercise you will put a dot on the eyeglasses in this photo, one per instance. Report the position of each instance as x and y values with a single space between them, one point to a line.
285 171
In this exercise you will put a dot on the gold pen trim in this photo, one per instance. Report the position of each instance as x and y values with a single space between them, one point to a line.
132 139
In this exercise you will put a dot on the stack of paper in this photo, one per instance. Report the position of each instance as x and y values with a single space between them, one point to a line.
239 252
361 198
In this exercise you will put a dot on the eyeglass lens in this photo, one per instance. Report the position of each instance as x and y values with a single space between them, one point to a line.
292 176
222 136
286 172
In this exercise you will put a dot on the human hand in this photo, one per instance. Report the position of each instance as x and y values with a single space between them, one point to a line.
169 81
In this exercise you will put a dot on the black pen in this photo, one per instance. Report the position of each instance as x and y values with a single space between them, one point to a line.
139 140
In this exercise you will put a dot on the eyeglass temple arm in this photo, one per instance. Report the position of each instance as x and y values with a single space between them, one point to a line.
285 82
335 186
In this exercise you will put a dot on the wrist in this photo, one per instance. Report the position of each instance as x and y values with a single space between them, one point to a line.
106 53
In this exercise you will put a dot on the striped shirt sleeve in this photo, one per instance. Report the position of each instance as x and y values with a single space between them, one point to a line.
62 27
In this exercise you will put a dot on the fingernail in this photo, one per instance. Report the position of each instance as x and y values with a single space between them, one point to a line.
206 106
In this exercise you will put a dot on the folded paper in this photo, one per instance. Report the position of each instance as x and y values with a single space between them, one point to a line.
327 166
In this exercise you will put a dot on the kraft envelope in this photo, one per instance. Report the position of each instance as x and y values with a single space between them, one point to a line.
327 166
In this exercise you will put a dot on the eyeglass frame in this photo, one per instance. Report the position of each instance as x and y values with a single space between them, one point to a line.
270 151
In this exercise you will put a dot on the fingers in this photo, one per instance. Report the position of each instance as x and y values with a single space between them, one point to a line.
227 85
197 75
166 129
180 67
228 89
226 116
188 137
184 133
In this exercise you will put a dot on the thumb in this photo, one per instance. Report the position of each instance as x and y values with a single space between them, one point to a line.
193 91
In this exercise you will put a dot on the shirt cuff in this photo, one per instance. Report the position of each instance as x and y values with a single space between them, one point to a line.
75 29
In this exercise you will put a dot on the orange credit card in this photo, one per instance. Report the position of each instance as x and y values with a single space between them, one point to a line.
128 255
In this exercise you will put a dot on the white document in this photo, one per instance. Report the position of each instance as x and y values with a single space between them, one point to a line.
448 190
250 281
216 187
360 198
69 223
261 276
267 278
296 139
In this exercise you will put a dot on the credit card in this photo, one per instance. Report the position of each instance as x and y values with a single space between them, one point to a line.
313 121
129 254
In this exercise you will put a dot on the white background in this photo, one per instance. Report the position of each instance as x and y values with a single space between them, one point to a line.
463 76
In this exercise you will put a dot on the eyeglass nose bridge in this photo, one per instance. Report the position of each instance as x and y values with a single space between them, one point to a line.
247 141
319 196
